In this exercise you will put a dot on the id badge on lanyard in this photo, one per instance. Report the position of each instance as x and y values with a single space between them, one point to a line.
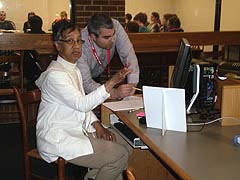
94 51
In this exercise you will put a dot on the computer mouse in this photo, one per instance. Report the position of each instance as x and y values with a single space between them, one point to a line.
142 120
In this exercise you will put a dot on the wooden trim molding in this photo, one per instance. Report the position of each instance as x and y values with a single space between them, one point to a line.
142 42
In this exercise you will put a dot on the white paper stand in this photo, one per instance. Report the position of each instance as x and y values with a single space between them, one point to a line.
165 108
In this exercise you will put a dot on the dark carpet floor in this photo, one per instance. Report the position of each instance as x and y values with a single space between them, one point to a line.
11 157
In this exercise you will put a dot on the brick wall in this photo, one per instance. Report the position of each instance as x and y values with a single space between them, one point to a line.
84 9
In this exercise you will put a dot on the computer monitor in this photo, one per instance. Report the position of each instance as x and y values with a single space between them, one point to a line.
185 75
182 66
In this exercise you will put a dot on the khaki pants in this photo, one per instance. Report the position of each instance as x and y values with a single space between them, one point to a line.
109 159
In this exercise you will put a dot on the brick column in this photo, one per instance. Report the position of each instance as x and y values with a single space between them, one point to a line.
84 9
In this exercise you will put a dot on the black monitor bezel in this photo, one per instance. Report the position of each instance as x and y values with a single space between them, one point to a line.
182 66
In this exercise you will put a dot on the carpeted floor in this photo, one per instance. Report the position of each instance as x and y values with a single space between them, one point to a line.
12 166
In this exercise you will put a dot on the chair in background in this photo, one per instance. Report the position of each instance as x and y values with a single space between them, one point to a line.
11 74
28 101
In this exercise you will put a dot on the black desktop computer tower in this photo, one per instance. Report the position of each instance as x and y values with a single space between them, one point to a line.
206 95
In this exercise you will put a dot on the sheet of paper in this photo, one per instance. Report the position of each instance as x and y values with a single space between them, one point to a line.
153 106
131 102
175 115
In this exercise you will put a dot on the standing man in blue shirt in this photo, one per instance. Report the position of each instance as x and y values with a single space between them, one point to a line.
103 35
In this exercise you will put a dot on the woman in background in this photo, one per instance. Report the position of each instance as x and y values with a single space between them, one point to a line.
174 24
128 18
26 25
155 24
165 20
31 64
36 24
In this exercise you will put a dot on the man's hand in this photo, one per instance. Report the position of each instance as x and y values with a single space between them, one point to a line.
103 133
117 78
122 91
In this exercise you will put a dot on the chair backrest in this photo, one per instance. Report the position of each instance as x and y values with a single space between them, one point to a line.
28 102
11 74
15 71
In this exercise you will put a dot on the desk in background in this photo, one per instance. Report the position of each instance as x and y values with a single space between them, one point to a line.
206 155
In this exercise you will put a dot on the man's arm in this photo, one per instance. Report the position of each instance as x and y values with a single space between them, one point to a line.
88 83
126 53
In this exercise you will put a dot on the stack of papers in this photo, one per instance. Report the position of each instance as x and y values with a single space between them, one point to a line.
128 103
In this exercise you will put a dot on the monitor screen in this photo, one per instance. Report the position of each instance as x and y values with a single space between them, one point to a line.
182 66
185 75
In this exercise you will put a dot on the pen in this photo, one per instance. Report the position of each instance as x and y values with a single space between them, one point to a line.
133 110
137 89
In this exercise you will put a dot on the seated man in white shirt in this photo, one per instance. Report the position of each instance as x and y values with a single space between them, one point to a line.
66 125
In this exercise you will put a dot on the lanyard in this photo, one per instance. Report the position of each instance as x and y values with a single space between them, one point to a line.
97 57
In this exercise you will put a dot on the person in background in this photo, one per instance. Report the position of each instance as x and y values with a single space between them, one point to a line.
36 23
165 18
26 25
132 27
174 24
128 18
66 125
63 15
103 36
6 24
31 63
155 24
141 19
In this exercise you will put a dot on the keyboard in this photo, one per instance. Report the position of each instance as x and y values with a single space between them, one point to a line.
129 135
229 68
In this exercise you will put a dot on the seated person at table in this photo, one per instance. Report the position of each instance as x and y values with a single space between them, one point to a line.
66 125
128 18
165 18
155 24
141 19
36 24
174 24
26 25
63 15
132 27
31 64
6 24
103 36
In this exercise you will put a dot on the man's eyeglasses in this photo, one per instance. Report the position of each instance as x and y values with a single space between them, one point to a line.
72 42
